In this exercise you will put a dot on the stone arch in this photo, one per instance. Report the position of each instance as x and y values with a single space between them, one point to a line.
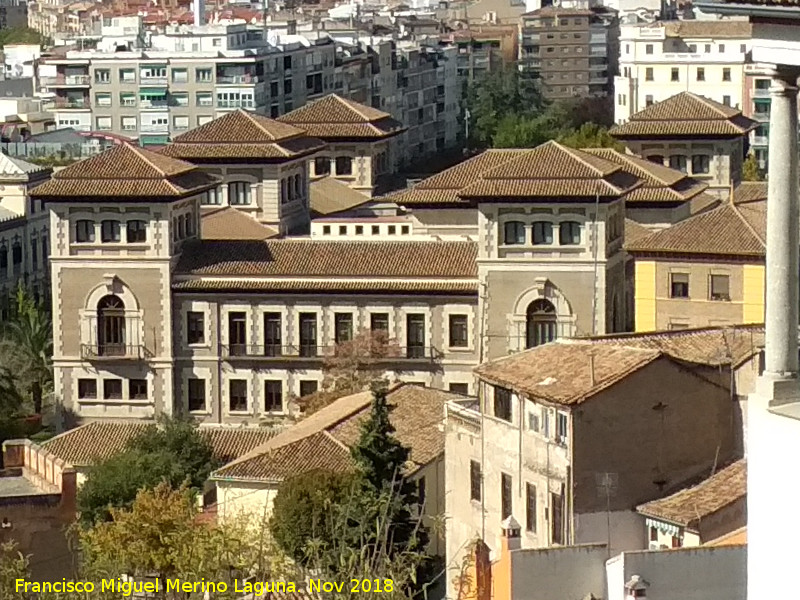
112 285
542 290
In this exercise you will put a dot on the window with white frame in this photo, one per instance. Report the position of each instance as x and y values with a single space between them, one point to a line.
542 233
237 395
569 233
562 428
273 395
514 233
196 392
239 193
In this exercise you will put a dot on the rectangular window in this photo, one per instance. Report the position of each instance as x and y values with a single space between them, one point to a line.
648 49
102 76
475 480
676 542
379 322
458 329
110 231
720 287
679 285
180 75
459 388
530 507
237 333
137 389
726 100
322 165
562 428
197 394
308 334
136 231
237 395
648 74
102 99
505 496
272 334
127 76
195 327
569 233
87 388
557 521
542 232
648 100
675 74
128 123
104 123
204 99
112 389
84 231
701 164
308 387
726 74
415 336
653 534
202 75
502 403
344 165
701 74
34 255
343 327
239 193
273 396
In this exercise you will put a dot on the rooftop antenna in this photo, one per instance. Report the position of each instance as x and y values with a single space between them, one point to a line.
607 484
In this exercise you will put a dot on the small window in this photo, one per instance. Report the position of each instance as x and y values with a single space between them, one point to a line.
542 233
676 542
379 322
475 480
376 229
648 74
653 534
195 327
343 327
197 394
458 328
342 229
569 233
722 47
84 231
693 48
344 165
322 165
701 74
359 230
137 389
136 232
743 48
326 230
675 74
112 389
459 388
505 495
502 403
678 162
405 229
514 233
530 507
562 428
679 285
648 100
237 395
726 100
110 231
239 193
648 49
308 387
720 287
87 388
392 229
701 164
273 396
726 74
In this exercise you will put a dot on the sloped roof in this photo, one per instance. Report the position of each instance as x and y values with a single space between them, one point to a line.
11 166
230 223
99 440
706 29
690 506
635 231
329 195
241 134
323 440
684 115
126 171
333 117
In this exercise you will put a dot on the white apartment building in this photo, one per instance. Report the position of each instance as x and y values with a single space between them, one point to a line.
660 60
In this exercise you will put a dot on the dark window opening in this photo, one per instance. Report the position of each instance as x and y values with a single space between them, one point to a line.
237 333
308 334
273 396
87 388
475 480
540 323
272 334
505 496
112 389
415 336
197 394
458 330
137 389
237 392
502 403
195 327
110 326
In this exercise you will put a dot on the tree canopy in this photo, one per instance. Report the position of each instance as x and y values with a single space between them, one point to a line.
21 35
750 169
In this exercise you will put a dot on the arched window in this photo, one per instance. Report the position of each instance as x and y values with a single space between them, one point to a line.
569 233
540 325
238 192
298 186
110 326
514 232
542 233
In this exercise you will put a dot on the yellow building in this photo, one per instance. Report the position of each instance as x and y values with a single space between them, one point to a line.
706 270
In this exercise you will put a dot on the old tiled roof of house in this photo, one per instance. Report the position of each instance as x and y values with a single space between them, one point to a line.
329 195
99 440
660 183
690 506
635 231
571 371
16 168
334 117
126 171
323 440
241 134
313 264
708 29
683 115
732 229
230 223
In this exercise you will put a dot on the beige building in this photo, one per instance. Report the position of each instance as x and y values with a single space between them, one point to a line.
571 436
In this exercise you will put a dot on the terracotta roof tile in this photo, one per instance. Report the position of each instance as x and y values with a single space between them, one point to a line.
99 440
706 29
329 196
328 285
242 134
750 190
685 114
322 441
321 258
125 170
635 231
337 117
232 224
688 507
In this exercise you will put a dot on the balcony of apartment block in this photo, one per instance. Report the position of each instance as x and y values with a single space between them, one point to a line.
62 103
146 79
416 354
761 92
62 80
248 103
238 77
759 140
154 127
112 352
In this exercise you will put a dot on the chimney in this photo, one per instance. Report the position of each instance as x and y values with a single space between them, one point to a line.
510 535
636 588
199 10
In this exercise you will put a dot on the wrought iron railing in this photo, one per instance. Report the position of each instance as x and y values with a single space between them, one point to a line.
115 352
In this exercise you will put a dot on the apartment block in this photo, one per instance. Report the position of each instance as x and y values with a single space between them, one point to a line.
660 60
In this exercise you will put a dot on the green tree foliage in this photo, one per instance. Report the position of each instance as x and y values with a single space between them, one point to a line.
173 452
21 35
13 566
750 169
591 135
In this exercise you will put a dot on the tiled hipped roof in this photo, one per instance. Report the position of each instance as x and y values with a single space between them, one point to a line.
129 172
685 115
335 117
689 507
323 440
230 223
99 440
241 135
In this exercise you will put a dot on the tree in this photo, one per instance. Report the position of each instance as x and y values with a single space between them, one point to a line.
591 135
13 566
29 334
21 35
515 131
750 169
351 367
172 452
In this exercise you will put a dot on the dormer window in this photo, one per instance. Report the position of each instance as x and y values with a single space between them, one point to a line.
110 231
569 233
84 231
542 233
514 233
136 232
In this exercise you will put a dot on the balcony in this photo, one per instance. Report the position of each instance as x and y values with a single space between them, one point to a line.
149 103
760 140
62 103
154 128
146 80
275 352
242 103
239 78
761 93
114 352
67 81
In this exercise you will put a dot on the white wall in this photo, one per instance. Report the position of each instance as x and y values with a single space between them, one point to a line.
558 573
627 530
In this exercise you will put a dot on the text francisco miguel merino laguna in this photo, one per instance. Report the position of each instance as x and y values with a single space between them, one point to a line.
258 588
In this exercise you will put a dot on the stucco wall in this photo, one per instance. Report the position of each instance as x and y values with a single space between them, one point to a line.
558 573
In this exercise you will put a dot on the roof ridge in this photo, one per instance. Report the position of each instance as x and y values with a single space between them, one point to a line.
260 126
575 153
350 107
710 103
747 224
138 152
333 438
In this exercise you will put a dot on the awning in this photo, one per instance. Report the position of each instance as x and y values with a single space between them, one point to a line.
153 93
666 528
153 140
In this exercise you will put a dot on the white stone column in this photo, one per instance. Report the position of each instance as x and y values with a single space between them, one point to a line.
783 221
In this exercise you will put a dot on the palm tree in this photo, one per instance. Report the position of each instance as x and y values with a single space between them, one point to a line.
30 333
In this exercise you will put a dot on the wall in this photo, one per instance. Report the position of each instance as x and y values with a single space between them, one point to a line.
627 530
558 573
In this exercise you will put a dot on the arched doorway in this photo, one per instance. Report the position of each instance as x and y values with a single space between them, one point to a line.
540 323
110 326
